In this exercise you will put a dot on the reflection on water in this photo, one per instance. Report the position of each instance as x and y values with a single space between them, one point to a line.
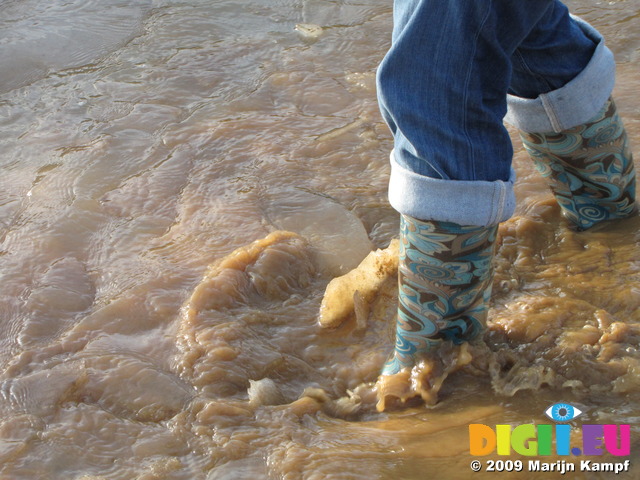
142 333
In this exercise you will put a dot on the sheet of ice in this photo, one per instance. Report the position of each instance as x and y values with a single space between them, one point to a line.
337 236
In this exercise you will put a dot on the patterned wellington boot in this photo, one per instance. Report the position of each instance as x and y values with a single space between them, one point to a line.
589 168
444 274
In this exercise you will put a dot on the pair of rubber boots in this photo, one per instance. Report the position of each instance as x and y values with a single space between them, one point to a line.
445 269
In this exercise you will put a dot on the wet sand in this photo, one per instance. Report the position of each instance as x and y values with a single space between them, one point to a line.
178 190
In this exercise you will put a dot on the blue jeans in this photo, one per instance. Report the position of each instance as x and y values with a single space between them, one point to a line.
455 71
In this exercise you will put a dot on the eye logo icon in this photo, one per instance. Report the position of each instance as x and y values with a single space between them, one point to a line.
562 412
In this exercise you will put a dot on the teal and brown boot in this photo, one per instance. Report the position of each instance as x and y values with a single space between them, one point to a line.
589 168
444 284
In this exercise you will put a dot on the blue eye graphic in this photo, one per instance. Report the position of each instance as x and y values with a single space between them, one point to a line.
562 412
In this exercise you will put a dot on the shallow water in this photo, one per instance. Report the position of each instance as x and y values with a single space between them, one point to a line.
142 145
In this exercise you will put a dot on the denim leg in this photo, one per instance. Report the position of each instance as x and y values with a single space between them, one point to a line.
552 55
442 90
560 80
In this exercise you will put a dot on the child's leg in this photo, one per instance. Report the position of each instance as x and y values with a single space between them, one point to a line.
572 130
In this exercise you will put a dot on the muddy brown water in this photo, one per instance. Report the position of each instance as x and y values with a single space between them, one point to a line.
144 335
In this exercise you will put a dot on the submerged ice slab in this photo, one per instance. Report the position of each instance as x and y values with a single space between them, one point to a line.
336 236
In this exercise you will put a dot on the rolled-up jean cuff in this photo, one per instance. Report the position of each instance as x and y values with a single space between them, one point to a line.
465 202
573 104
